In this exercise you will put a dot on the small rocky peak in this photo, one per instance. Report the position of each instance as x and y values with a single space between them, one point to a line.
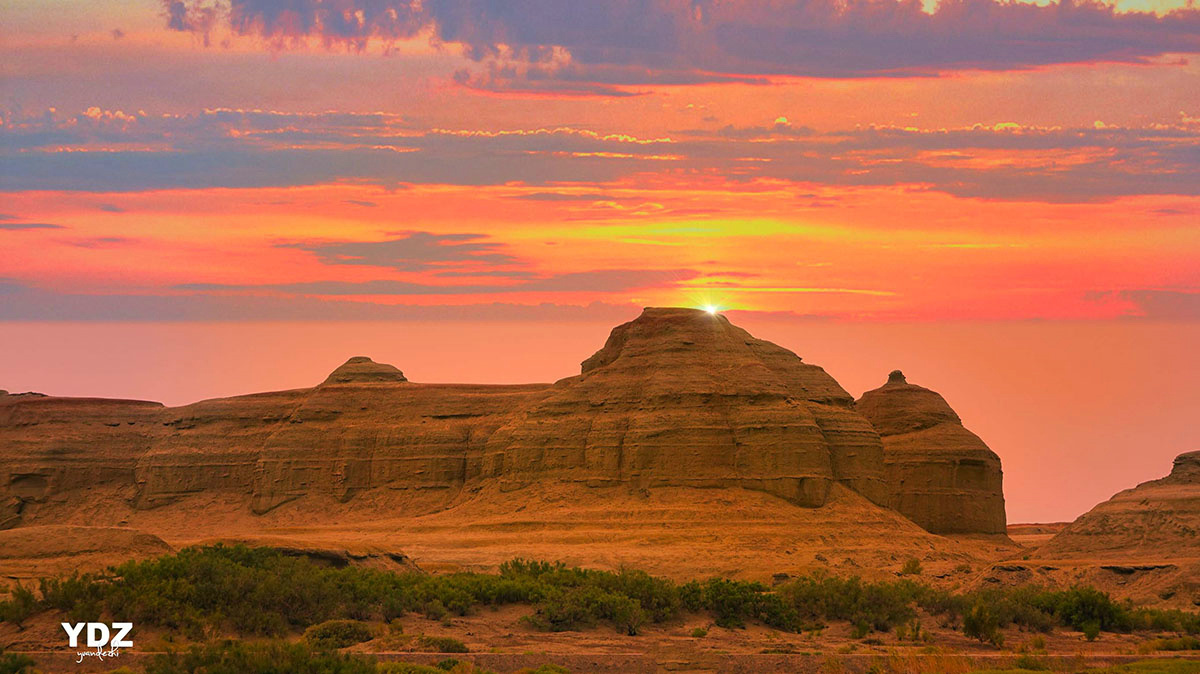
665 329
1186 467
363 370
900 407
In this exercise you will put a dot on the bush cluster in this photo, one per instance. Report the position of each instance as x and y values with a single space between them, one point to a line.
14 663
333 634
281 657
208 591
1083 609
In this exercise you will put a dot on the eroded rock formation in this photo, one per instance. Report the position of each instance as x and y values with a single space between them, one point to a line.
54 446
939 474
1159 519
675 398
681 398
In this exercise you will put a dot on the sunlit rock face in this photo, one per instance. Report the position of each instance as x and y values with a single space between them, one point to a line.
365 427
50 446
680 397
939 474
676 397
346 438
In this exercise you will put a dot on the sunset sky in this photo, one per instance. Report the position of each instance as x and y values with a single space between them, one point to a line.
959 177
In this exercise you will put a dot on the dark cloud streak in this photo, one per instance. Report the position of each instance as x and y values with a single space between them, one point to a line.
603 48
24 226
415 251
595 281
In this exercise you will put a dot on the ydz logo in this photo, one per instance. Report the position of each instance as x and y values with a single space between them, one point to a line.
99 636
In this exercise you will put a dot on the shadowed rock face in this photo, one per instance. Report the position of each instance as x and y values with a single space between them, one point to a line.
1159 519
939 474
679 397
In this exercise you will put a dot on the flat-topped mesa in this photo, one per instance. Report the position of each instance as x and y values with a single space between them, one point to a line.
363 370
679 397
939 474
51 445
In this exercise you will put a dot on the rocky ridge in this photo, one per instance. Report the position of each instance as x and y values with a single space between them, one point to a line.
676 398
1142 522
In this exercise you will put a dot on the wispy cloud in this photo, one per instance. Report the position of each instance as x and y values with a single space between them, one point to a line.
595 281
1153 303
414 251
115 152
21 226
23 302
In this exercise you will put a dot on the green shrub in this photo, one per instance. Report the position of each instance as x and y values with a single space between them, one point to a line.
14 663
203 591
1087 609
275 657
1180 644
912 567
441 645
699 633
1030 663
77 596
405 668
879 606
19 607
983 623
337 634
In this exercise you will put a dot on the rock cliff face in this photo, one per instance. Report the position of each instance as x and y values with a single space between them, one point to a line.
54 446
365 427
682 398
939 474
676 398
1158 520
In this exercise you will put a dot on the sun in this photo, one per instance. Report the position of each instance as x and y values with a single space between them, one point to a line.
711 309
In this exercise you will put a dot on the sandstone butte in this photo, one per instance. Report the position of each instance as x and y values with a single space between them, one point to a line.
939 474
685 445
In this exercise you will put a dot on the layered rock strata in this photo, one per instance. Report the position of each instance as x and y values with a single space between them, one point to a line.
681 398
939 474
53 446
675 398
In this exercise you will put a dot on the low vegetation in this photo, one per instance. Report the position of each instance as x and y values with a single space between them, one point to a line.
209 592
14 663
338 634
280 657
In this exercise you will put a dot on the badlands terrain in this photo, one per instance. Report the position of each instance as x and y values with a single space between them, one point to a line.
685 448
